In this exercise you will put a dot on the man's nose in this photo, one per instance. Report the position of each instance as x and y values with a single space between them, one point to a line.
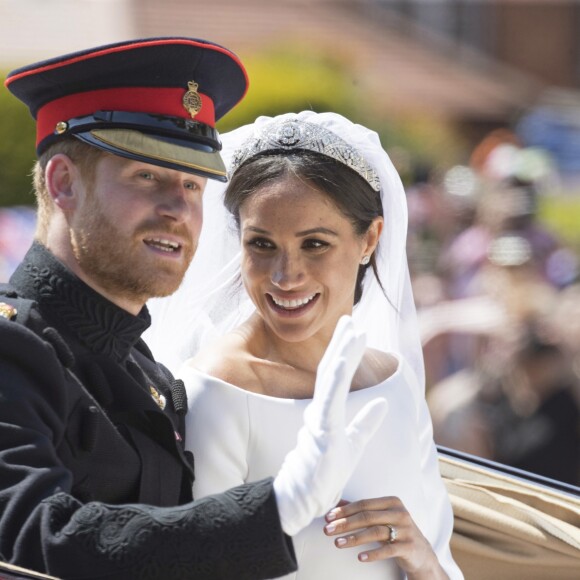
174 203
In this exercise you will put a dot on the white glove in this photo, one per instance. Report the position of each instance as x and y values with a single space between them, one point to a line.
314 473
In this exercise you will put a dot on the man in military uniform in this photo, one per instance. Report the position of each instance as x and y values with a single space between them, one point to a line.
94 479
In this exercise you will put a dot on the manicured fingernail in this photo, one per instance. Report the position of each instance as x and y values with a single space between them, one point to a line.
331 515
341 542
363 557
330 528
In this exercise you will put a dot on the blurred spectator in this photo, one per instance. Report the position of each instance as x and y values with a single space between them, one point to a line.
517 405
533 414
16 232
498 138
507 208
562 327
501 348
440 208
514 398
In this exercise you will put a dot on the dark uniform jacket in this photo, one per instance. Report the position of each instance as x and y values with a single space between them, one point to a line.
94 480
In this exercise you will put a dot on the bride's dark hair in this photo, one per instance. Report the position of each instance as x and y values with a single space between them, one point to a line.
351 194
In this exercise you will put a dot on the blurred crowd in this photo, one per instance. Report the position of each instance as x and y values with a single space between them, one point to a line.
16 230
498 299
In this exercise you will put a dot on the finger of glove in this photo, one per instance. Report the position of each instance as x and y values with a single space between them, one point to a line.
365 424
353 353
327 409
342 332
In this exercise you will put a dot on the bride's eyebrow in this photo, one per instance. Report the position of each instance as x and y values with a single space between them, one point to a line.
319 230
256 230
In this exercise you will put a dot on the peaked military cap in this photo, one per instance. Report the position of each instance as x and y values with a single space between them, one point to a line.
156 100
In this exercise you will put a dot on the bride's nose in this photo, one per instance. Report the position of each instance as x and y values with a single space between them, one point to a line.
287 271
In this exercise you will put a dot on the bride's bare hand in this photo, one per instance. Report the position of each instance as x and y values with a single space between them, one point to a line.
384 520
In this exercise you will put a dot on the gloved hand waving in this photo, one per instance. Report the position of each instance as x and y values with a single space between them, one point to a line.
315 472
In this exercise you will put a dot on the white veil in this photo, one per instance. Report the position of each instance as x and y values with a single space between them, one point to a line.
212 301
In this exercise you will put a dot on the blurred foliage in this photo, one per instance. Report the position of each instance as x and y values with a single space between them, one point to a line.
284 81
289 79
17 154
562 215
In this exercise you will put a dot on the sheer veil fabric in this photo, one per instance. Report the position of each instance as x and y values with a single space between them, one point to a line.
211 300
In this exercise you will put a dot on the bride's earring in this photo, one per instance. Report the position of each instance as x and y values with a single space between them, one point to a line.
365 260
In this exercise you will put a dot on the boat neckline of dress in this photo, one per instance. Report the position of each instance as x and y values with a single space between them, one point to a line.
231 386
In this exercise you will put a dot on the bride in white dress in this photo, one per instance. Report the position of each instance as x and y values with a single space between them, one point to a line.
318 224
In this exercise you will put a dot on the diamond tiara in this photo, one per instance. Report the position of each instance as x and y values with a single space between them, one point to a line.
290 134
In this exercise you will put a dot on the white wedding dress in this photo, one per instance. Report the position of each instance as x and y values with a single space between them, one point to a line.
239 436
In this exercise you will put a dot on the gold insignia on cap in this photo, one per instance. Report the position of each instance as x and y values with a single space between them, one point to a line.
158 397
7 311
61 127
192 100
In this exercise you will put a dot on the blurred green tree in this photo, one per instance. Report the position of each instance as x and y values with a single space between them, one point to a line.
17 154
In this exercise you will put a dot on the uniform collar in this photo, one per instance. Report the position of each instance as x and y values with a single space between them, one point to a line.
74 307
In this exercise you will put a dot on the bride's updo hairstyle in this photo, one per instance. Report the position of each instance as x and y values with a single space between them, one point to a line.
350 192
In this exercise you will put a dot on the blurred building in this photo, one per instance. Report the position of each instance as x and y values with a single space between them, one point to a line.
536 37
539 37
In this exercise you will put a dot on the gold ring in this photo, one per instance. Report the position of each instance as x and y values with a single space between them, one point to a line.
392 534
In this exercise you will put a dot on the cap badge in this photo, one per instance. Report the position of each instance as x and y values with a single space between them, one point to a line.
158 397
7 311
61 127
192 100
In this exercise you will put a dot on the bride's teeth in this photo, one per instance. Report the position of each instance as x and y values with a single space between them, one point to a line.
292 303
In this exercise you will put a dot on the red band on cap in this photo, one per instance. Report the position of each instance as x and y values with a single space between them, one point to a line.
155 101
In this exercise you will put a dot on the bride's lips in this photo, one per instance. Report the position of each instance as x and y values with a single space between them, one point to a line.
291 307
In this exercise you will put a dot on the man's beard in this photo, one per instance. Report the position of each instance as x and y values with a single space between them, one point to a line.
116 260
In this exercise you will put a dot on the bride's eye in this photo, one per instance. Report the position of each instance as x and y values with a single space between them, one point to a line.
260 244
314 244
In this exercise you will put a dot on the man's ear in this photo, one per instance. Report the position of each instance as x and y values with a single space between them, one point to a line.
62 181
